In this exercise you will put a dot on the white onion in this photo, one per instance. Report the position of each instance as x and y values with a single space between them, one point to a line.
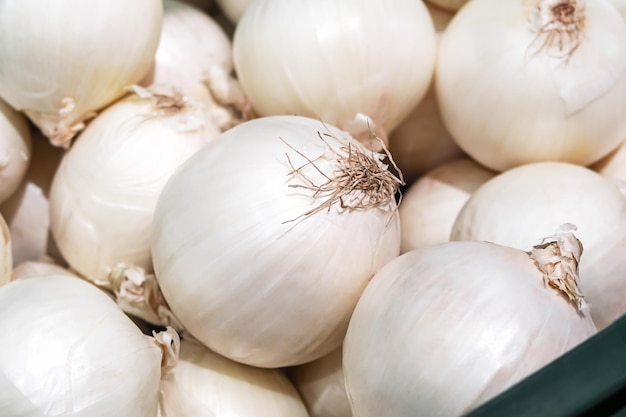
431 205
621 6
63 60
15 149
531 200
40 267
73 352
27 210
321 384
195 56
613 165
517 85
205 384
359 65
440 330
257 264
104 191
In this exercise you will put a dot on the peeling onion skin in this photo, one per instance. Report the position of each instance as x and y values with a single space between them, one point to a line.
237 270
440 330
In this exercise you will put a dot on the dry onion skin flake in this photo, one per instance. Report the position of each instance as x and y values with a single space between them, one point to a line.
442 329
265 238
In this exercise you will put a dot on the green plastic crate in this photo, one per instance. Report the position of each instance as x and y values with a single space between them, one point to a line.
587 381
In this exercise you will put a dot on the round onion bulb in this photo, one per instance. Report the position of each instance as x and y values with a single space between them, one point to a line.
105 189
321 384
442 329
27 211
63 60
195 56
531 200
333 60
431 205
73 352
521 82
264 239
15 149
204 384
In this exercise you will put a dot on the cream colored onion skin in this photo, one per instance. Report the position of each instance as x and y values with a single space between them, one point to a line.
431 205
73 352
15 149
442 329
321 384
237 270
191 43
40 267
336 61
105 189
507 103
205 384
63 60
613 165
27 210
621 6
518 205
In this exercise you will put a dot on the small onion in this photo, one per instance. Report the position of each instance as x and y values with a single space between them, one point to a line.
255 259
27 211
321 384
442 329
105 189
62 60
204 384
531 200
431 205
359 65
15 149
73 352
530 81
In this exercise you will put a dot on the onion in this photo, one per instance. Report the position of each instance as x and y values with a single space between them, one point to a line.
205 384
63 60
73 352
105 189
41 267
431 205
442 329
533 199
359 65
15 148
621 6
421 141
27 210
518 82
322 386
195 56
265 238
613 165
